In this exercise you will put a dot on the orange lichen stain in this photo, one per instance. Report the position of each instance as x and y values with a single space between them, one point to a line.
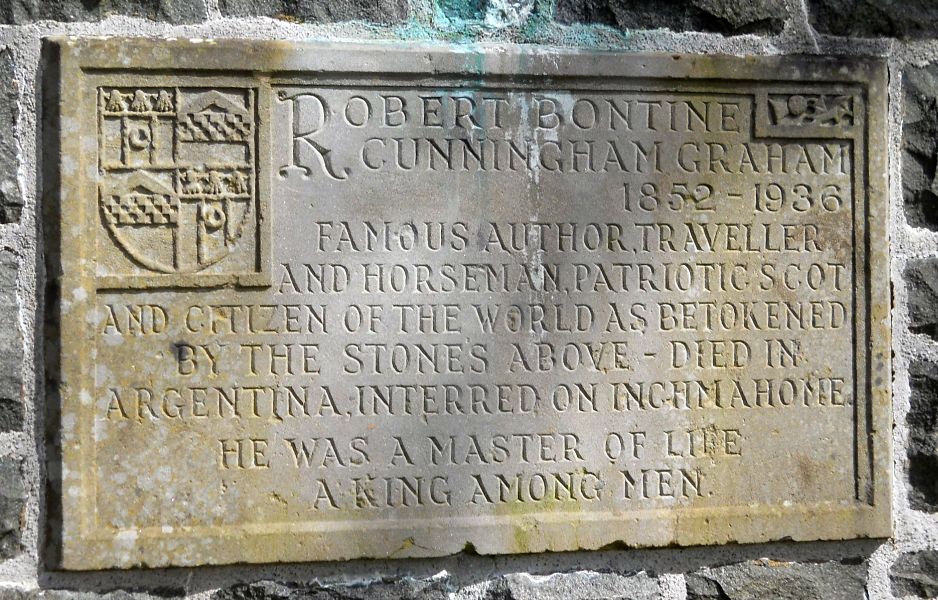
288 18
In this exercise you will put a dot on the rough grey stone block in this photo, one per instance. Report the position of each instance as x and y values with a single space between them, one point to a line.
326 11
729 17
579 586
915 574
495 14
462 10
920 145
568 586
77 594
11 203
922 420
502 14
921 277
908 19
759 580
12 505
403 589
19 12
11 348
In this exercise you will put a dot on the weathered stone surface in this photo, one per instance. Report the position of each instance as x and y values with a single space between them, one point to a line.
11 202
909 19
403 589
721 16
915 574
376 11
921 277
581 585
19 12
12 506
462 10
11 347
920 145
833 580
402 317
922 420
502 14
577 586
494 14
81 594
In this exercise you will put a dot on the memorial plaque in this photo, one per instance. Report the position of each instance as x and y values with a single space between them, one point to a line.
321 302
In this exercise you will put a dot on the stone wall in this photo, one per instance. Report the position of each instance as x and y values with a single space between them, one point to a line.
905 31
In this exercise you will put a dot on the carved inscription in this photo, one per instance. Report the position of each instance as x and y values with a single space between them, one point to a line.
521 317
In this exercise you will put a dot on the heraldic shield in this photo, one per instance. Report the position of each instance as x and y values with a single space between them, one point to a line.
177 195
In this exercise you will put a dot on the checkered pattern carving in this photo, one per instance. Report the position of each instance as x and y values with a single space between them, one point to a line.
218 127
141 209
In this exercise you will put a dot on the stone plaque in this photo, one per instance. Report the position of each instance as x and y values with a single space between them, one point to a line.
320 302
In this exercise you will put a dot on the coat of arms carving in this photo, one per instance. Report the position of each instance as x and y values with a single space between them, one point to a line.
177 193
